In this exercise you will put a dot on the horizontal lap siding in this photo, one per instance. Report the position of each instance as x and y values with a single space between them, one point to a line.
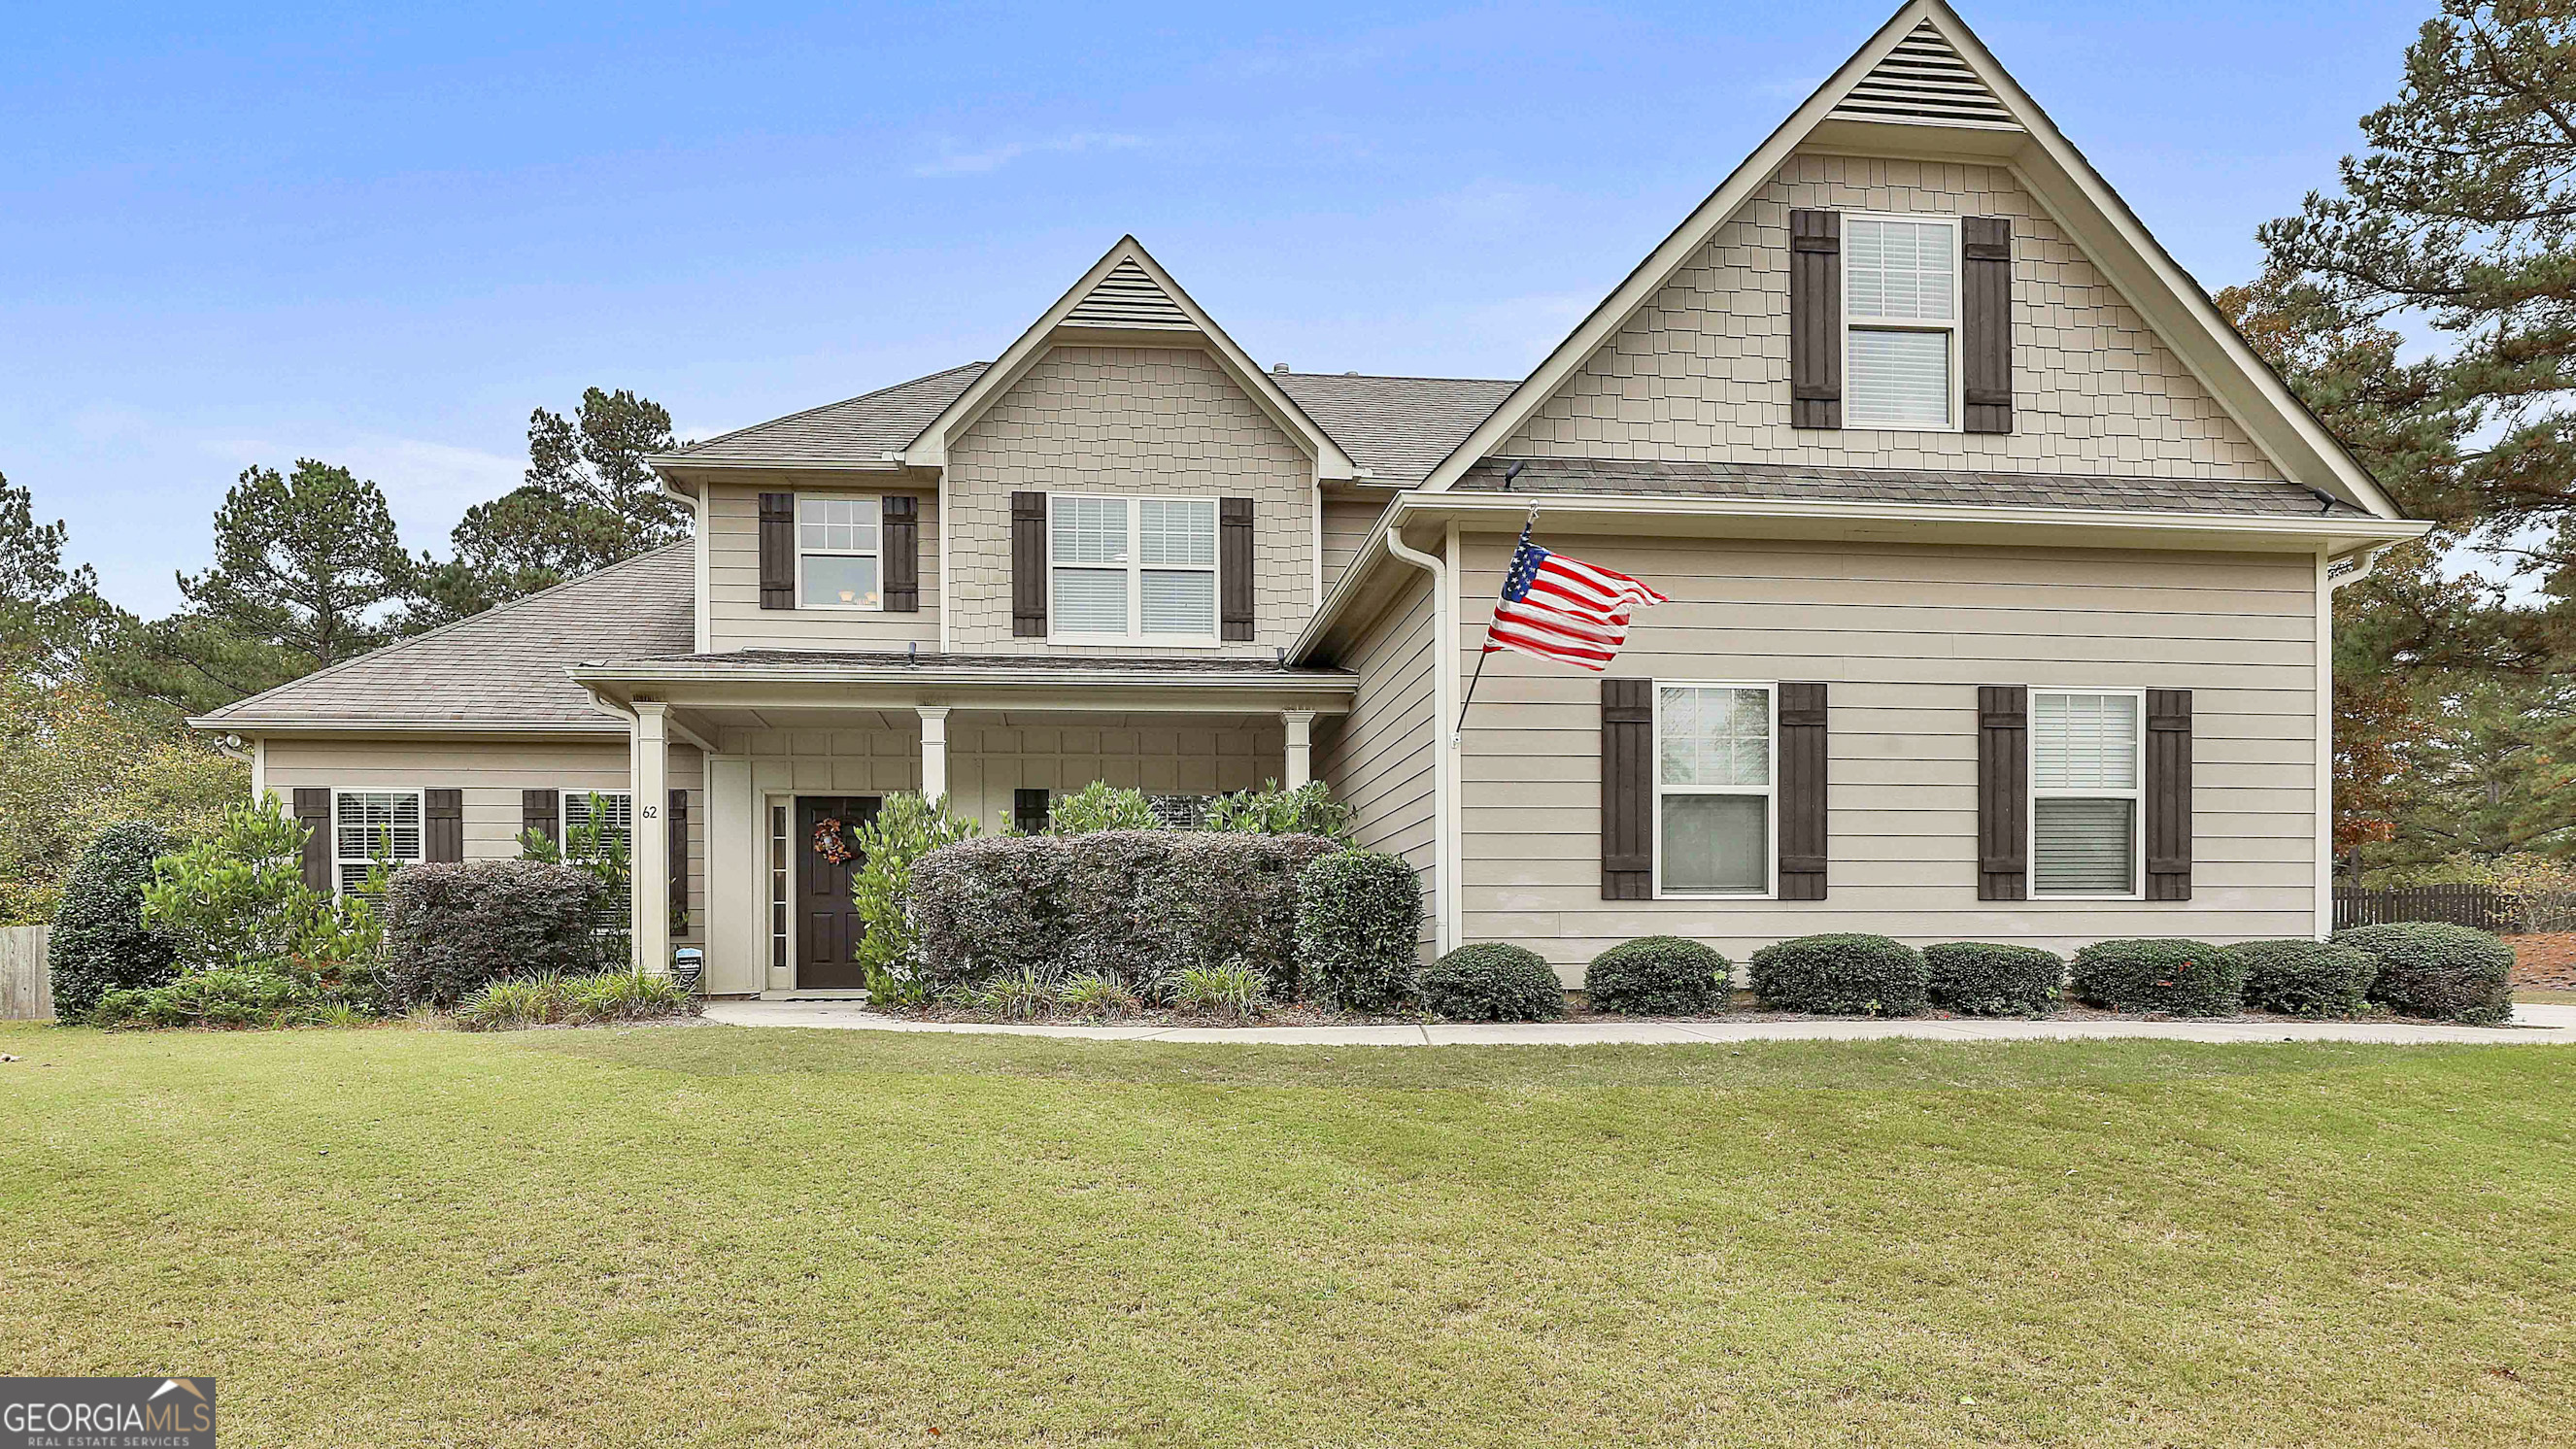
1379 758
735 619
1904 636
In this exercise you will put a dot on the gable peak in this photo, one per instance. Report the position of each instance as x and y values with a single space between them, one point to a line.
1924 81
1128 297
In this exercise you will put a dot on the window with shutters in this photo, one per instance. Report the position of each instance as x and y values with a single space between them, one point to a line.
2087 761
838 563
368 826
1141 570
1900 322
613 812
1716 748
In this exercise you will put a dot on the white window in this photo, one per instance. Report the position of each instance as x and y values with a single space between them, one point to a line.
837 566
372 825
1132 568
1714 753
1900 311
617 821
2087 758
1181 812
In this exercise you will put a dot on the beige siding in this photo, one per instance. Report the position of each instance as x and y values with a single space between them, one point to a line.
491 773
1903 636
1137 421
1703 370
1347 522
735 619
1380 758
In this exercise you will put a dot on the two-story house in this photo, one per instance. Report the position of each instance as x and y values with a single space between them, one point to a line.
2001 576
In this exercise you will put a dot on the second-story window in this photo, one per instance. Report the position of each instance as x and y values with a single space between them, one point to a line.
1901 309
836 553
1132 568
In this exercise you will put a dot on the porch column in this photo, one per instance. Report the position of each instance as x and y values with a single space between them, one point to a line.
649 850
1300 767
934 750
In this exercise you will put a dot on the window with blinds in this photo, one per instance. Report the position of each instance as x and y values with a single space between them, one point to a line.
1139 569
368 826
1901 311
2086 763
1713 788
837 553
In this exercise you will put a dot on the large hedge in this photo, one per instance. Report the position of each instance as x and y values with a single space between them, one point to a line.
1492 981
2306 978
2181 978
2429 968
99 942
1659 976
452 929
1841 975
1979 978
1143 905
1359 928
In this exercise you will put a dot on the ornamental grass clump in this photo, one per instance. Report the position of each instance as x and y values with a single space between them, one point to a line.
1659 976
1844 974
1492 981
549 998
2306 978
1233 993
1097 998
1978 978
2434 969
2177 978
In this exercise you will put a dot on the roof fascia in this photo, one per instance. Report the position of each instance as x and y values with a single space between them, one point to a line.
280 729
930 447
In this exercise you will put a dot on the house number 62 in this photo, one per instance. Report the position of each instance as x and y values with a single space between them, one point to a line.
651 811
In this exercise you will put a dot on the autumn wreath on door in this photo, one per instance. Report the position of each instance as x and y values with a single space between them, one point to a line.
832 840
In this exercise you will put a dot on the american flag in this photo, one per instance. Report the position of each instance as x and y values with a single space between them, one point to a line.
1564 609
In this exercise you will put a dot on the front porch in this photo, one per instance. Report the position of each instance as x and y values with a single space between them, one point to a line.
800 742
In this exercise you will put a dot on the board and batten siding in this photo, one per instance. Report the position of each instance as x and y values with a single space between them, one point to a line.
1347 525
1380 758
1903 635
1138 422
491 773
1703 368
735 619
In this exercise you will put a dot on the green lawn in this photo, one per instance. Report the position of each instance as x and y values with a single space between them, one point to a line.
718 1236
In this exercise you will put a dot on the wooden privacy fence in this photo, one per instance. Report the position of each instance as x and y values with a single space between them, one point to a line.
2484 907
26 991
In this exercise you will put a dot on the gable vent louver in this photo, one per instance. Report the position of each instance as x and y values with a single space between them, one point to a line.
1129 298
1923 82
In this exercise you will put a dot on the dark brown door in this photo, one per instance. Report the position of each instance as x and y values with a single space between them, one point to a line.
827 928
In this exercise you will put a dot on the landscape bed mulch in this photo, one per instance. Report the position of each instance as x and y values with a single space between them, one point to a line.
2544 962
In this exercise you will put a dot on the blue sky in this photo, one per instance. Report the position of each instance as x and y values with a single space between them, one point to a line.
241 234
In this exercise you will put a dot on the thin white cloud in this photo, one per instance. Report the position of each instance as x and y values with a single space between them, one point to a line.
954 161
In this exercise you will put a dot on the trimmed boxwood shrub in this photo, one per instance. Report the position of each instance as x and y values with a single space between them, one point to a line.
1843 974
1359 924
2430 968
451 929
1980 978
1659 976
2306 978
2181 978
1492 981
99 943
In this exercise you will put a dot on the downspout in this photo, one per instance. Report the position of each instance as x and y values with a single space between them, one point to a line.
1444 771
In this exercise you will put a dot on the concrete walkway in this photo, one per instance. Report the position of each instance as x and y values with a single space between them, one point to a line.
2532 1024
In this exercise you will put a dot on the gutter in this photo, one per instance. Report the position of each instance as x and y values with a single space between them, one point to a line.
1446 918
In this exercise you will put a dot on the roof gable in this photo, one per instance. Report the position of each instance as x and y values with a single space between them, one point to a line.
1882 102
1129 297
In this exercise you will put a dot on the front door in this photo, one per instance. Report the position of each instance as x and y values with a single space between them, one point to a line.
827 927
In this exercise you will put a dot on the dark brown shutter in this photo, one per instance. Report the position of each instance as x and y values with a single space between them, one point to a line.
1802 792
2003 792
778 550
2168 794
680 856
1815 319
1029 565
902 544
1234 567
542 812
442 833
1985 321
313 812
1627 790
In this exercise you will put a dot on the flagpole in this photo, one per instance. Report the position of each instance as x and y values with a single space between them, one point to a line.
1482 655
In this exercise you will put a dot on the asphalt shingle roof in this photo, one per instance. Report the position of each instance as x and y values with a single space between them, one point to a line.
856 430
1792 481
1398 428
502 668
